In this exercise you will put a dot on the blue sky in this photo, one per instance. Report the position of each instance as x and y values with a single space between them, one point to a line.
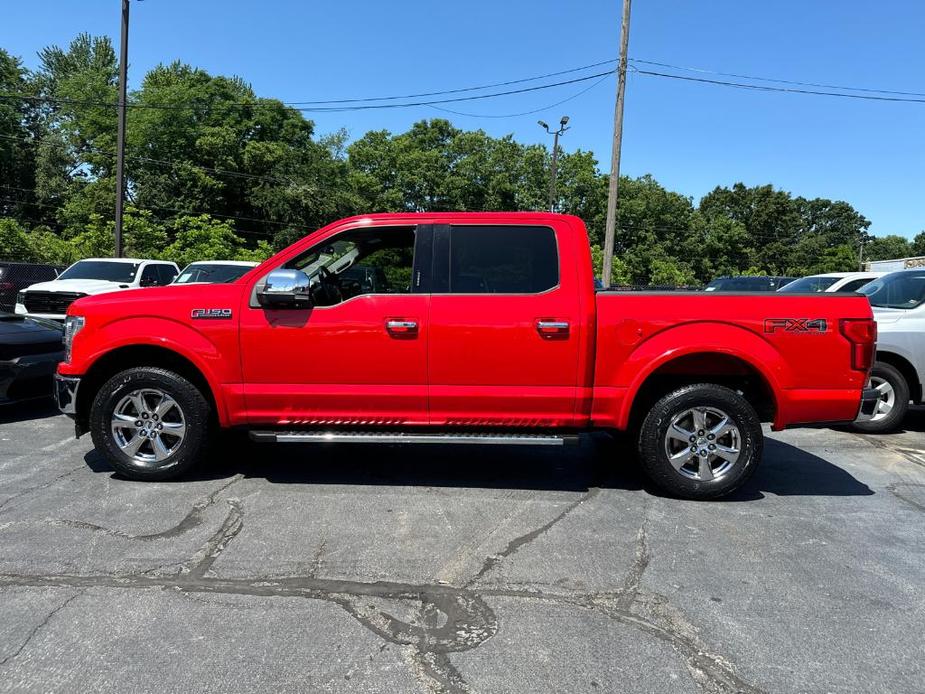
691 137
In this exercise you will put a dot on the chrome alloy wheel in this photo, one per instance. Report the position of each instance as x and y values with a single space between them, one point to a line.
887 398
703 443
148 426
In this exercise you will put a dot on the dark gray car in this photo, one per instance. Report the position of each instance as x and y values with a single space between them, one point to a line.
30 349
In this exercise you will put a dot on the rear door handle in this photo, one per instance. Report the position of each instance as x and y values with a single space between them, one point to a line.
551 328
401 327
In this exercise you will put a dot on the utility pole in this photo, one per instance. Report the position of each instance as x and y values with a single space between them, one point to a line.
555 158
617 144
120 136
861 254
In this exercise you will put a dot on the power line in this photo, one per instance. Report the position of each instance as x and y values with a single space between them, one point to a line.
766 88
523 113
774 79
451 91
312 109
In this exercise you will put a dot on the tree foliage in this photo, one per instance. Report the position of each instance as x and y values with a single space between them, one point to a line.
214 171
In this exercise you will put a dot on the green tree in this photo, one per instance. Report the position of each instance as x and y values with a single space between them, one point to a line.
17 149
888 247
918 244
14 241
201 238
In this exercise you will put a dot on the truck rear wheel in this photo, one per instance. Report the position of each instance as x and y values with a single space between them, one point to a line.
150 423
893 403
701 441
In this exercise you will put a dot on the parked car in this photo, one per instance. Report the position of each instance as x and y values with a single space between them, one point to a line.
831 282
898 374
489 330
214 271
30 349
17 276
89 277
747 283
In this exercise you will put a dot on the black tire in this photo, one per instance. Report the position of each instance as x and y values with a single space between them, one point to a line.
194 414
891 421
721 476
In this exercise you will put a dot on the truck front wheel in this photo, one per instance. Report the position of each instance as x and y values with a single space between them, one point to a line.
150 423
701 441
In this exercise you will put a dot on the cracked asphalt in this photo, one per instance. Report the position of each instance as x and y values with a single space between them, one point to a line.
470 569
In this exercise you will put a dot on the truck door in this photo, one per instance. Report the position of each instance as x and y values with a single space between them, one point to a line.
505 326
358 355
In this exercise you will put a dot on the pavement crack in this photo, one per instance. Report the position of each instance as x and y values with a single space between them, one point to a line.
435 623
43 485
203 560
191 520
518 542
316 560
38 627
894 489
633 580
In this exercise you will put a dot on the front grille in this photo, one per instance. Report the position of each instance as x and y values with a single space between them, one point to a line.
50 302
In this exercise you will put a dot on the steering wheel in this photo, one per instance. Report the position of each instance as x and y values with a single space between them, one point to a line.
330 286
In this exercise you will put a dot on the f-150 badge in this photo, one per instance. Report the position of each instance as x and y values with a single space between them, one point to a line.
210 313
795 325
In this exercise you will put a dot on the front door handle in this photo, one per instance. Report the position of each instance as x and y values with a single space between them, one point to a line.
401 327
552 328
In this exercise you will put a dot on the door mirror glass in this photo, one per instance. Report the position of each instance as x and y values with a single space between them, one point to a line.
285 289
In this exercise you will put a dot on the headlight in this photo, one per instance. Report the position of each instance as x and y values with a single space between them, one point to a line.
72 326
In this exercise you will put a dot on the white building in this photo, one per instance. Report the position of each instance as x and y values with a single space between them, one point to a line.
894 265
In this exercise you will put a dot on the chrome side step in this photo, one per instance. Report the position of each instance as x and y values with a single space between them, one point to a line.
407 437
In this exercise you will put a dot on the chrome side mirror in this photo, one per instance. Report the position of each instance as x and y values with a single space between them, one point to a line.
285 289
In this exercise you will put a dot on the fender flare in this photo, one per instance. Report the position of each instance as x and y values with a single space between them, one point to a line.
167 334
704 337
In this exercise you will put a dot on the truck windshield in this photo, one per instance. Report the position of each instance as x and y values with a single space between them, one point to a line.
905 289
214 273
809 284
100 270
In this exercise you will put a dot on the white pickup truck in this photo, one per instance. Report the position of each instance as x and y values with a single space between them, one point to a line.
91 276
898 301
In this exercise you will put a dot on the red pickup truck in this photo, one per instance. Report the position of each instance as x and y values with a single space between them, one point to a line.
480 328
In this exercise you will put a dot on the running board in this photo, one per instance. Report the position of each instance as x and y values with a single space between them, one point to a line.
402 437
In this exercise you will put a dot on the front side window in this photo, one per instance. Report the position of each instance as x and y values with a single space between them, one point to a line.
903 289
149 277
112 271
166 273
359 261
502 260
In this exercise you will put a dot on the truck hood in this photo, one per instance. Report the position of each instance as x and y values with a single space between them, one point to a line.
81 286
176 300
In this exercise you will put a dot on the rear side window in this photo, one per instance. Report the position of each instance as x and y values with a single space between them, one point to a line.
502 260
854 285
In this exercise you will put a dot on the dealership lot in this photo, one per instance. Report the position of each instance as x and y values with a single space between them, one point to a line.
481 569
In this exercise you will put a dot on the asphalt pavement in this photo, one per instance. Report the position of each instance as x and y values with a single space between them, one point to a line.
356 568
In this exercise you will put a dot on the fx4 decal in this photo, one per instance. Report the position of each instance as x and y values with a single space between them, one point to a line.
795 325
210 313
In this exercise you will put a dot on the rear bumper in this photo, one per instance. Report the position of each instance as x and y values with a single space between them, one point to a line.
869 399
66 394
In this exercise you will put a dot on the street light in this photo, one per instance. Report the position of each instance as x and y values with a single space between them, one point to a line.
555 156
